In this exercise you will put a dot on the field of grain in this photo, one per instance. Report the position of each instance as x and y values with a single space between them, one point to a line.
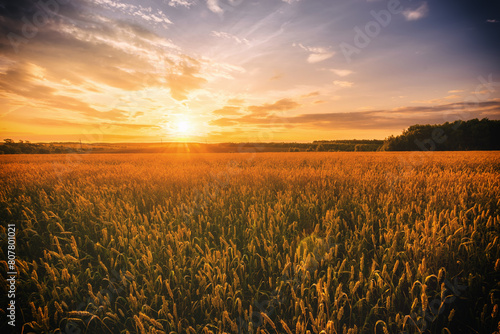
254 243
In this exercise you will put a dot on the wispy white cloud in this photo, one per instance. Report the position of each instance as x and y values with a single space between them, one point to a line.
183 3
312 49
214 6
341 73
318 57
146 13
226 35
416 14
212 70
343 84
318 54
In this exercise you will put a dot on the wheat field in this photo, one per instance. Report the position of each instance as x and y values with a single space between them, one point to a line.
254 243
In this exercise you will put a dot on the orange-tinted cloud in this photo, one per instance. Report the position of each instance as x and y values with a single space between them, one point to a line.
312 94
223 122
235 102
184 80
397 118
22 81
265 109
227 111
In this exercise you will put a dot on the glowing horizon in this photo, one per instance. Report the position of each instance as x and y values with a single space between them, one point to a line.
243 70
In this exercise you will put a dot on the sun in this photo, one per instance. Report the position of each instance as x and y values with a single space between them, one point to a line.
183 127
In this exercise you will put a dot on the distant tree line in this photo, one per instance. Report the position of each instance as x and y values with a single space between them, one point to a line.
353 145
316 146
456 136
459 135
25 147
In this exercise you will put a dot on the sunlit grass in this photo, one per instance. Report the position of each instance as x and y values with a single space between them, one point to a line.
259 243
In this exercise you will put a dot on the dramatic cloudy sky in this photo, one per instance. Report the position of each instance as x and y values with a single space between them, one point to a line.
243 70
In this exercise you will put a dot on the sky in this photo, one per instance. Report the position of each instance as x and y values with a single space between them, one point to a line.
243 70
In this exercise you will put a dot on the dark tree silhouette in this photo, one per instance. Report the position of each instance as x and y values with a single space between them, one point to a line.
460 135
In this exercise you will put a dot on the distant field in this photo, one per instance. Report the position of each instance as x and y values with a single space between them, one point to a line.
11 147
254 243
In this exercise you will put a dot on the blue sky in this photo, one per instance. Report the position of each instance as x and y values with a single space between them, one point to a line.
244 70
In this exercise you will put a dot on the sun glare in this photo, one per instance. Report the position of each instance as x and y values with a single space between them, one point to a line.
182 129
